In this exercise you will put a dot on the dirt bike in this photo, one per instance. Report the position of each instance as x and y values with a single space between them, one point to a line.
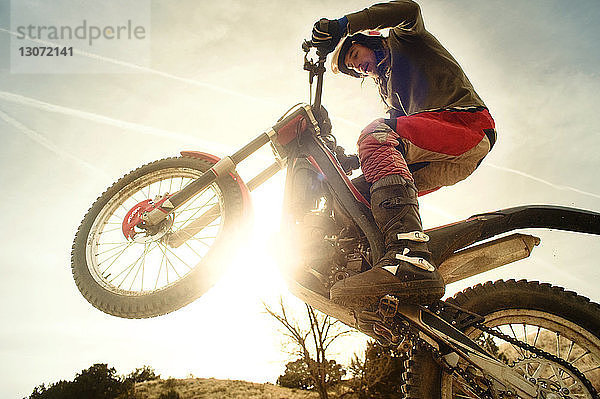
155 240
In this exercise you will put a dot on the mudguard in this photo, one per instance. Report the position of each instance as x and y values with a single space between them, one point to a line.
247 201
445 240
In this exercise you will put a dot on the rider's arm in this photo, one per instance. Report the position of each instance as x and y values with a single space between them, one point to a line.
402 15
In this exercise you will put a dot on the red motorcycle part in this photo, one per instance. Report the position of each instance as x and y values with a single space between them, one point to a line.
134 218
243 188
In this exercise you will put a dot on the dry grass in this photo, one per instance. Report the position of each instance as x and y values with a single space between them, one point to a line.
192 388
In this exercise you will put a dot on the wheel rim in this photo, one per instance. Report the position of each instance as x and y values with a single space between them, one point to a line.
550 333
134 267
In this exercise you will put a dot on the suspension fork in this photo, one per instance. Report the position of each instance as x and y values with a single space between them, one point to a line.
228 164
177 238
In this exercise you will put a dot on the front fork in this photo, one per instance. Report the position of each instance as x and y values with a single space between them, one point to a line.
227 165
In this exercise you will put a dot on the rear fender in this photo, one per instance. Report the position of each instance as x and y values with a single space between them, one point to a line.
447 239
247 201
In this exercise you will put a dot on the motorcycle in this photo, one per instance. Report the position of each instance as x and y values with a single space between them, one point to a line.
155 240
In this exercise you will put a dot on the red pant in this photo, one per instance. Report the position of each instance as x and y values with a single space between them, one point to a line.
449 145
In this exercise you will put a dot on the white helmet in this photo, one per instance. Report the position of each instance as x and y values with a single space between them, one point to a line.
338 64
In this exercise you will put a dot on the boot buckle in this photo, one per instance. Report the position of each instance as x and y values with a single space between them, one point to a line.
421 263
417 236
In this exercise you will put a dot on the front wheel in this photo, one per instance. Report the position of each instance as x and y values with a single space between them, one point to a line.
556 321
132 273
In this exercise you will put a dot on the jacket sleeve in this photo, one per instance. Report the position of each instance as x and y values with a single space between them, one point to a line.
403 16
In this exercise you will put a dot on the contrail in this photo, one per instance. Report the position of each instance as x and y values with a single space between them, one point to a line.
31 102
44 142
556 186
167 75
142 68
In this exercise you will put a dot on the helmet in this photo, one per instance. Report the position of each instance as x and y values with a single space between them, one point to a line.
369 39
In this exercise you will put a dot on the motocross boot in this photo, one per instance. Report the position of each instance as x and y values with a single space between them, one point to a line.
406 270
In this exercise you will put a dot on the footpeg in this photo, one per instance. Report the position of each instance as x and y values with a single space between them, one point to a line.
386 335
388 306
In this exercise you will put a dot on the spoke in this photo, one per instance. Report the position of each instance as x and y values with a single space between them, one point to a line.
126 211
558 374
109 230
109 250
517 349
570 349
135 199
200 241
557 344
142 263
181 260
190 203
198 207
537 334
538 371
130 267
170 263
194 251
592 369
525 331
142 282
194 214
159 268
587 352
117 257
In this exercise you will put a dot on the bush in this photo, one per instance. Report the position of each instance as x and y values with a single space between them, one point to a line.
145 373
97 382
297 374
379 375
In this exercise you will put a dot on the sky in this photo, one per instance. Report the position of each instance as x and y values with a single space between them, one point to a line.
217 75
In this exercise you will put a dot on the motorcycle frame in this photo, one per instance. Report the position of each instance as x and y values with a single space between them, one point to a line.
452 246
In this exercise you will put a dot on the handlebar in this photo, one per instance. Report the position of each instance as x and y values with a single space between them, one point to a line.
315 68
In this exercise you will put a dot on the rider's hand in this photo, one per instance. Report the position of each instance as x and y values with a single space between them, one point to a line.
323 118
326 34
348 162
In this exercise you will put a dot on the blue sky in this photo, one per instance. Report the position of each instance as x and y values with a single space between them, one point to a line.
223 72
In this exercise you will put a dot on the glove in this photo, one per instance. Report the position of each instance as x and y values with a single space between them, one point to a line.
348 162
326 34
323 118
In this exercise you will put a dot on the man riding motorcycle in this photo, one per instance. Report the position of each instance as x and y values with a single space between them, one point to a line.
438 132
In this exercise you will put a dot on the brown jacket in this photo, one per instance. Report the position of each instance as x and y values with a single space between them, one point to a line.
424 76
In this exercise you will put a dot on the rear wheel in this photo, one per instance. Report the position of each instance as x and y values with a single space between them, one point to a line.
556 321
134 273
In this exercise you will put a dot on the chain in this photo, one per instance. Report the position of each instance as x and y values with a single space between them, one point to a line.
388 309
540 353
473 385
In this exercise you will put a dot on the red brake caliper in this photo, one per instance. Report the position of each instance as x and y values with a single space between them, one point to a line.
134 216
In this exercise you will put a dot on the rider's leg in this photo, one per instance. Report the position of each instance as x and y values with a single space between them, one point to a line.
406 269
451 144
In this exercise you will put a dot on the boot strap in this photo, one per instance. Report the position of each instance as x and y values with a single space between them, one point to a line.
418 262
397 202
417 236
